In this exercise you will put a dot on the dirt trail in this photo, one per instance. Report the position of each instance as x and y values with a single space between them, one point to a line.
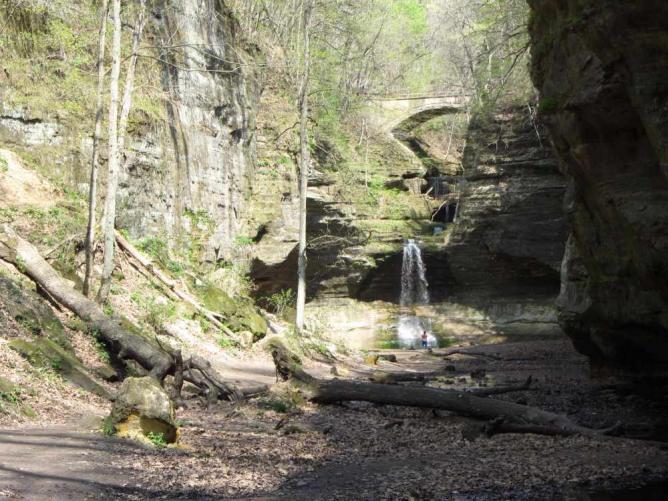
61 463
261 450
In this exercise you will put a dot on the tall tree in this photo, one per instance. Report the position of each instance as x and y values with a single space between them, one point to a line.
114 157
130 78
119 133
92 190
304 161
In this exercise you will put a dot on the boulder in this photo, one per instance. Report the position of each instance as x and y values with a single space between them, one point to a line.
246 339
240 313
143 410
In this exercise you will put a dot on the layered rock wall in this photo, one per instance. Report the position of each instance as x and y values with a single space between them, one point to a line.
506 245
189 162
209 149
600 67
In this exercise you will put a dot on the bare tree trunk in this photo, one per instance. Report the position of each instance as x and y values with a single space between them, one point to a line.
113 162
130 79
303 167
92 189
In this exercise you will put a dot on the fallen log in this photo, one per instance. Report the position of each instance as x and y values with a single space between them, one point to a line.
171 284
288 366
501 425
499 390
471 354
120 337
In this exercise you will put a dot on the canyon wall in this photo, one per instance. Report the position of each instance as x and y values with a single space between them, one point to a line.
208 156
600 67
506 246
191 137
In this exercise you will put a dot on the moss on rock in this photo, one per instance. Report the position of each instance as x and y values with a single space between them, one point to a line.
32 313
45 353
240 313
143 409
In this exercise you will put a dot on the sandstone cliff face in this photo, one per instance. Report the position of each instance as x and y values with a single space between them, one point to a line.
209 150
509 236
503 252
495 270
190 166
601 69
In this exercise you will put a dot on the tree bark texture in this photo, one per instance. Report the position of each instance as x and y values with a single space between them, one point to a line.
114 157
92 188
303 167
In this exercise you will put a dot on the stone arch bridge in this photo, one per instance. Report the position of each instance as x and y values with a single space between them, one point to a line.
402 113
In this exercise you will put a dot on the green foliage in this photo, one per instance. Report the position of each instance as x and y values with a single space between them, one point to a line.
243 240
412 14
157 439
4 166
158 250
280 301
156 247
108 427
159 313
102 351
388 344
12 396
156 312
56 363
225 342
548 104
21 264
100 346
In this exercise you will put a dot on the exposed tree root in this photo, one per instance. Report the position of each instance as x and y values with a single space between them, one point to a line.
119 336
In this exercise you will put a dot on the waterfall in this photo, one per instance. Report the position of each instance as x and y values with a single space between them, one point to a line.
414 286
414 291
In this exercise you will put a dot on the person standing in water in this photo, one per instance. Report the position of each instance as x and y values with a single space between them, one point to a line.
424 339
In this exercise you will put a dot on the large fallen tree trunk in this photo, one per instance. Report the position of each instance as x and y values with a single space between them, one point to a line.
288 366
112 330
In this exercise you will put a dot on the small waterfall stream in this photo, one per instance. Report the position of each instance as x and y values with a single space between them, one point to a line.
414 291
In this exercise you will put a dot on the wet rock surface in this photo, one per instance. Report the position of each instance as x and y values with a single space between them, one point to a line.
143 409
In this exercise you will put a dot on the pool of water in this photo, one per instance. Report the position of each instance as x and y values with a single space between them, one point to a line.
406 333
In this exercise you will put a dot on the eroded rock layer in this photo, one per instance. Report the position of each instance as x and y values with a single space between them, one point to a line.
601 70
207 151
509 235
